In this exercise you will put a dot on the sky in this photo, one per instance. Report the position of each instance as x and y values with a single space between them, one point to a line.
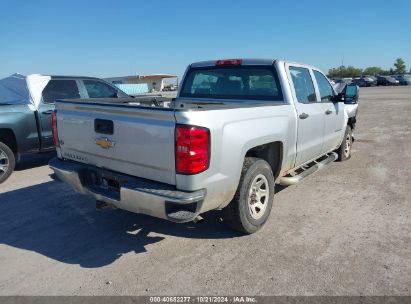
106 38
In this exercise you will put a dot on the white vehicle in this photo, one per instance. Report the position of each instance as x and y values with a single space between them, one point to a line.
236 128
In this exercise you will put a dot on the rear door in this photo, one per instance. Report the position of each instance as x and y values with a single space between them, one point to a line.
310 114
55 89
333 113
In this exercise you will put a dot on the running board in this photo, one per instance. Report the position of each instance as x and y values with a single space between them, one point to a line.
297 177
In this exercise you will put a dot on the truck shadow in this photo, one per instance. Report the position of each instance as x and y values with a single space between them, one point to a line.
52 220
34 160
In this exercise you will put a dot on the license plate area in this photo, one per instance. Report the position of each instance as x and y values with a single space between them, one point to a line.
102 183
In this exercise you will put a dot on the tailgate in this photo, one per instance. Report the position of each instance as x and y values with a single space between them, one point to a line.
137 141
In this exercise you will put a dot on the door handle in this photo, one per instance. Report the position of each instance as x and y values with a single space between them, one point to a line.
303 115
47 112
328 112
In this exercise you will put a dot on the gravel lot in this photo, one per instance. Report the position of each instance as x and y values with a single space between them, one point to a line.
343 231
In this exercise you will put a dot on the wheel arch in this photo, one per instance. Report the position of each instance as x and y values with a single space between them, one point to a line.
271 152
351 122
8 137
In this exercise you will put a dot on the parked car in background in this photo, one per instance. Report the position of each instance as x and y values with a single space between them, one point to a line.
359 82
236 128
372 78
371 81
404 79
364 81
26 104
347 80
341 83
387 81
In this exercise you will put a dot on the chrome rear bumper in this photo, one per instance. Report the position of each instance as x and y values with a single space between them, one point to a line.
130 193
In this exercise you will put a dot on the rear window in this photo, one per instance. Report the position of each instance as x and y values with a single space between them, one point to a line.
232 82
60 89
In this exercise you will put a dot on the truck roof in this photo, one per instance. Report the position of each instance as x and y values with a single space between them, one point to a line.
244 61
248 61
70 77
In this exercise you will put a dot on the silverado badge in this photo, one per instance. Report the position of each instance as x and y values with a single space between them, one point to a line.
105 143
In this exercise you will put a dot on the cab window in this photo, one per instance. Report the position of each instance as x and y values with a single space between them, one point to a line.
60 89
233 83
98 89
303 85
326 91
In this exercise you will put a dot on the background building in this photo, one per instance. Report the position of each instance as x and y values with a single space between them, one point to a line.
154 82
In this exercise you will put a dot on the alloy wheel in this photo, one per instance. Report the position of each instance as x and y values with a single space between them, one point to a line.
4 162
258 196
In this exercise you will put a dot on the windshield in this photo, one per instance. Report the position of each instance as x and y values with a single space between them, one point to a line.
232 82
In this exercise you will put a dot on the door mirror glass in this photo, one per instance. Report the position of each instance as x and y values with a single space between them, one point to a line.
351 94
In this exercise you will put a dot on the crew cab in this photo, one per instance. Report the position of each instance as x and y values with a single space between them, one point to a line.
26 104
236 128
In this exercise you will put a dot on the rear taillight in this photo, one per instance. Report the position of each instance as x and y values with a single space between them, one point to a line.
192 149
54 128
229 62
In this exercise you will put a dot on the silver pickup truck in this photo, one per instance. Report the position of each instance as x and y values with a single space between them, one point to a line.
236 128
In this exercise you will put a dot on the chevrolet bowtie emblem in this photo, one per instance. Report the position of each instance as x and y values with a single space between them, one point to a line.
105 143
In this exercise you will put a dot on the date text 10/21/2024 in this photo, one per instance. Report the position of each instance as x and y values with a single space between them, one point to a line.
203 299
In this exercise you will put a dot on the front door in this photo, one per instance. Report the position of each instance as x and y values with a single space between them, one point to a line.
333 113
310 114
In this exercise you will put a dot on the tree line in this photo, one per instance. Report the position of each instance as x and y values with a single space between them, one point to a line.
350 71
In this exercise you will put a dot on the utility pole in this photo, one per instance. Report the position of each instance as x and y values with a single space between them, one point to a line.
342 64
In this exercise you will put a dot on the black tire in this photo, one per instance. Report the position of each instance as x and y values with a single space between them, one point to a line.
346 145
7 162
238 214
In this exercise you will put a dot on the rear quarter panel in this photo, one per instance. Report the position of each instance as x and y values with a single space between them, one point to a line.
233 132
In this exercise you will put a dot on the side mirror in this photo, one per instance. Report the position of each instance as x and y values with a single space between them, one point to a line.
350 94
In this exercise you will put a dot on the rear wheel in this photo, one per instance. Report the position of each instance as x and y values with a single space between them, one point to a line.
252 203
344 151
7 162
